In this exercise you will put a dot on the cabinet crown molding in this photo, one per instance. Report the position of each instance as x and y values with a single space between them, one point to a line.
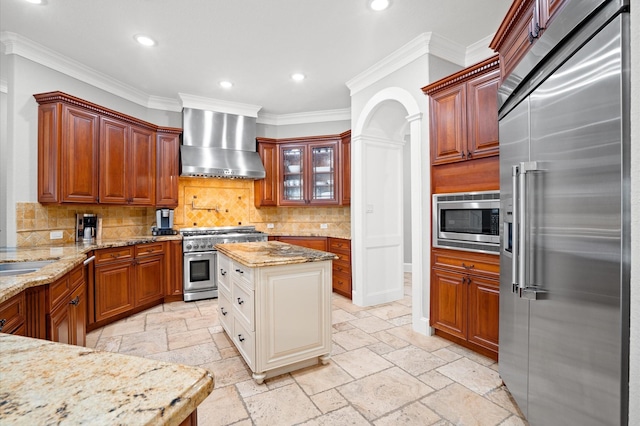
462 75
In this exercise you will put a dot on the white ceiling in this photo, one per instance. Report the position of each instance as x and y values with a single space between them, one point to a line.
256 44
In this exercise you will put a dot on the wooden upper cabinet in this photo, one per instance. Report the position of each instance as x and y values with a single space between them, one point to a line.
69 133
308 171
167 168
524 23
90 154
464 114
266 190
141 167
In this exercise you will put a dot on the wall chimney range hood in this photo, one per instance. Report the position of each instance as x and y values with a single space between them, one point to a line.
216 144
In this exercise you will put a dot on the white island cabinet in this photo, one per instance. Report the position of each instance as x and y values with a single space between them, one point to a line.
275 303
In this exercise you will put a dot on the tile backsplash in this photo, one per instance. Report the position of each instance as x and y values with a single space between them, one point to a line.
202 202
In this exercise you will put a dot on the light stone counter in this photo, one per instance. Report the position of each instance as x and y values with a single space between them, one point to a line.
271 253
43 382
66 257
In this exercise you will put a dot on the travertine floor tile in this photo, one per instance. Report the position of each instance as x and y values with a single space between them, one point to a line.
390 339
379 394
372 324
202 322
189 338
121 328
344 416
320 378
228 371
428 343
340 315
286 405
390 311
474 376
171 327
461 406
361 362
435 379
353 339
412 414
143 344
414 360
192 355
222 407
329 400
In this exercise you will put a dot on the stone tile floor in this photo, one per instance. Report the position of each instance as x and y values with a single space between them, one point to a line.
381 372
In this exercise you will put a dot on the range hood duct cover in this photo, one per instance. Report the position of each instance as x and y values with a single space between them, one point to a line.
216 144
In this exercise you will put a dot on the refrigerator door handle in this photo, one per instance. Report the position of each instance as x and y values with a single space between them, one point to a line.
515 172
524 169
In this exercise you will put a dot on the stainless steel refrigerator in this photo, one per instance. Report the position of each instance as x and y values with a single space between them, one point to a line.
565 214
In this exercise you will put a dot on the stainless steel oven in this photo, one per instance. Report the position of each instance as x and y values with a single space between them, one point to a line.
201 256
467 221
200 275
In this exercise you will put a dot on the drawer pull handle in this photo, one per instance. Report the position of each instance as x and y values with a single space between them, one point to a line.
223 272
223 311
75 301
240 337
468 266
2 323
240 301
240 271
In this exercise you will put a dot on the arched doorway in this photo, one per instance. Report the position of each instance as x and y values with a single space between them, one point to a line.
390 120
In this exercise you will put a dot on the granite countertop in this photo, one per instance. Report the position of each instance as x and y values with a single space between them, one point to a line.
65 257
52 383
271 253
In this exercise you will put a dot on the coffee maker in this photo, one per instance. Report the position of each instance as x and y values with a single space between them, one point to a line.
164 223
86 227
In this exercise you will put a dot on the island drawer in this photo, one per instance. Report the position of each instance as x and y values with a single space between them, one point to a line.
245 341
243 305
223 272
243 273
225 312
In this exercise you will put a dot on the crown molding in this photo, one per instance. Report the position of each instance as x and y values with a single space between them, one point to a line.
305 117
479 51
425 44
229 107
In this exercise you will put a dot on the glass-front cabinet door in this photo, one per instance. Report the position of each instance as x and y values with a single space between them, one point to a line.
293 181
309 173
323 174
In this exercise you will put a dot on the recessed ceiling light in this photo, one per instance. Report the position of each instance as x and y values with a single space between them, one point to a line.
298 76
226 84
145 40
378 5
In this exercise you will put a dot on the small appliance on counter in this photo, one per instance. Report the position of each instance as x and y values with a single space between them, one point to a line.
86 227
164 223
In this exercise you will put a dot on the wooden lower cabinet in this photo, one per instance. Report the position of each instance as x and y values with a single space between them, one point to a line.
13 316
465 299
67 308
316 243
174 262
127 278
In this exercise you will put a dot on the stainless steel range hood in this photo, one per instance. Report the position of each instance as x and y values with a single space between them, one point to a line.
217 144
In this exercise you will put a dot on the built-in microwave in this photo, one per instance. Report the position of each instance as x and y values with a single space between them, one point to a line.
467 221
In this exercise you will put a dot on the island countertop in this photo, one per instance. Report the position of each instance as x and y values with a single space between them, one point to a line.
44 382
271 253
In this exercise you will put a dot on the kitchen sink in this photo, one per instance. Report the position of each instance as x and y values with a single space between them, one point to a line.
19 268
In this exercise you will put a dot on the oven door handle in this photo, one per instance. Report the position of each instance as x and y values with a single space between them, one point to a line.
200 253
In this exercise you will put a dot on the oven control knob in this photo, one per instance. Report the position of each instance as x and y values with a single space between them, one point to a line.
210 246
188 246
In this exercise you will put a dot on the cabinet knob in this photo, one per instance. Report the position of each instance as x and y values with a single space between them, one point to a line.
468 155
240 337
223 272
462 155
240 271
223 311
240 301
75 301
2 323
468 266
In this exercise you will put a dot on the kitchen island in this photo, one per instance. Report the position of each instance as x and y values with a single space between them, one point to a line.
274 301
43 382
